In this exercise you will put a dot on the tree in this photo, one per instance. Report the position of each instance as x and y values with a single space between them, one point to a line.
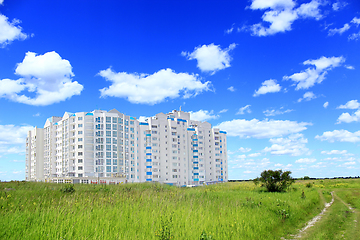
275 181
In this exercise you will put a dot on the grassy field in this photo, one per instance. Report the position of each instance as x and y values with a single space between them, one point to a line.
154 211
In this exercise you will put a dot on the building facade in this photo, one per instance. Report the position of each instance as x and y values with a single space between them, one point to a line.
112 147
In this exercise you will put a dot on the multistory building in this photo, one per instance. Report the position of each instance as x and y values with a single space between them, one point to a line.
168 148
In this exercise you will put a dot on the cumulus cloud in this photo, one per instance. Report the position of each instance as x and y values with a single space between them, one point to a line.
268 86
352 104
274 112
294 145
312 75
326 105
223 111
356 21
48 76
332 152
338 5
306 160
242 110
211 58
203 115
339 30
262 129
307 96
12 138
354 36
231 89
152 89
10 31
339 136
244 150
279 15
348 118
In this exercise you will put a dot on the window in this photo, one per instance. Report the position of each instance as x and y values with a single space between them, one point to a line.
114 119
80 146
114 147
80 168
99 162
108 126
114 127
80 139
80 160
108 168
80 153
114 133
120 120
108 140
114 141
80 125
108 147
108 133
108 119
114 168
114 161
80 132
108 161
108 154
80 118
154 132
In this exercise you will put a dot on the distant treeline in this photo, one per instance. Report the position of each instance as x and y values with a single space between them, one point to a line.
304 178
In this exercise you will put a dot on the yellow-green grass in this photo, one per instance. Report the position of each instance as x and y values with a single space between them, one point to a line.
154 211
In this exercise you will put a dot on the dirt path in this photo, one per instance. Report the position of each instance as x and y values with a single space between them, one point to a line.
315 219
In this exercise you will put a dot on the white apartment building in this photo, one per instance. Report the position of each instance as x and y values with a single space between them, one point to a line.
168 148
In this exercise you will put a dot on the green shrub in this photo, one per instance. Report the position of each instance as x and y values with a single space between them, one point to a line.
68 188
275 181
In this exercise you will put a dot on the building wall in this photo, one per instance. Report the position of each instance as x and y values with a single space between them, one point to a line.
168 148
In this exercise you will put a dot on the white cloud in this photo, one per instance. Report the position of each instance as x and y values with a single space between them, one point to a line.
1 2
223 111
203 115
12 138
354 36
349 67
338 5
293 145
10 31
307 96
244 150
339 136
332 152
48 76
274 112
326 105
262 129
352 104
308 78
252 155
268 86
152 89
230 30
347 118
280 14
356 21
211 58
306 160
339 31
242 110
231 89
36 115
143 118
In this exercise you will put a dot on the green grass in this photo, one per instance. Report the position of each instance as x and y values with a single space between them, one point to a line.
155 211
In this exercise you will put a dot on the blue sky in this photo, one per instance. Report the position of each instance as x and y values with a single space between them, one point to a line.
280 76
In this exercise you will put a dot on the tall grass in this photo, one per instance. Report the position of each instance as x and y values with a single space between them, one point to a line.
153 211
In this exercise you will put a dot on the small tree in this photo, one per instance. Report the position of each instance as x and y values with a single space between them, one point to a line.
275 181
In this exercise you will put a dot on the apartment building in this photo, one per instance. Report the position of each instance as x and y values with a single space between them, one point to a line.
168 148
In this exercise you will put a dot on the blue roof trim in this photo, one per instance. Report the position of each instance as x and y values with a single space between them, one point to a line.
143 123
132 118
181 120
191 129
89 114
222 132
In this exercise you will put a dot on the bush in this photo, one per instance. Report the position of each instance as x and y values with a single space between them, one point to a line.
275 181
68 188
